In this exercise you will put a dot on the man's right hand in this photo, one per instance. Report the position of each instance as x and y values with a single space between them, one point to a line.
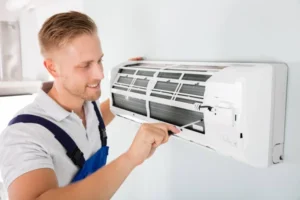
147 139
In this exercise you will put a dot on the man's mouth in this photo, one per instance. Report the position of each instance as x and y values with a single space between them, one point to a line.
93 85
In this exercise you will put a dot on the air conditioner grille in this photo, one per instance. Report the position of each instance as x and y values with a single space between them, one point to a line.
179 83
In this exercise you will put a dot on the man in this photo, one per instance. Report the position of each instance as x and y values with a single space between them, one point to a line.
33 161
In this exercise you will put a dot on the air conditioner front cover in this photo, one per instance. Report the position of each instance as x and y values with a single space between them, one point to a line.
236 109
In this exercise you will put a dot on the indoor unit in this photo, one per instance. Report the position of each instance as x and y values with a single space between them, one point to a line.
235 109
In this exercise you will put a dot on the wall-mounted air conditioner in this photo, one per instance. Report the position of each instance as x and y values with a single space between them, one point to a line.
236 109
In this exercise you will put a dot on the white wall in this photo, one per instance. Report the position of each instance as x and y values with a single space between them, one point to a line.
30 23
6 15
198 30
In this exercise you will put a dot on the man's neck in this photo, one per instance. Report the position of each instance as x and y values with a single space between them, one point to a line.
66 100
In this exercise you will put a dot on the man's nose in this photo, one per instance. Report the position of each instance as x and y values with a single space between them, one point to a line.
97 71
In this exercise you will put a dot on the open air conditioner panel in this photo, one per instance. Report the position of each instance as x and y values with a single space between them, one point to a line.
180 86
237 109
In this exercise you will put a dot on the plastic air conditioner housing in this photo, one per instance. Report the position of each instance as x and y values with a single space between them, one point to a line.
236 109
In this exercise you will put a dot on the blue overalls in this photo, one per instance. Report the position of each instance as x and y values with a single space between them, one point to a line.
86 167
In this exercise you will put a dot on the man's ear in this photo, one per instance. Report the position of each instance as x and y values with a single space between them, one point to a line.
51 67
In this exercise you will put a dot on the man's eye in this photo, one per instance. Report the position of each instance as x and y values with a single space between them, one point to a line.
100 61
86 66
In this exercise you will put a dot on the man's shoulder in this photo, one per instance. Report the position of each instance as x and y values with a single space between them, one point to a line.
31 108
19 131
23 129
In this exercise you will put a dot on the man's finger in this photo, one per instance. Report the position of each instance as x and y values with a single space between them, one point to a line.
164 132
159 136
136 59
173 128
168 127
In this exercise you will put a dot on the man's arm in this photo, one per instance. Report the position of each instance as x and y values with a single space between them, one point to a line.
107 115
42 184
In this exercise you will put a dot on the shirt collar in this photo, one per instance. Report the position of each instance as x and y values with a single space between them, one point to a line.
45 102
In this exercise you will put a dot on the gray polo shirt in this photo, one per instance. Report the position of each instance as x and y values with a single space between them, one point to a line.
27 147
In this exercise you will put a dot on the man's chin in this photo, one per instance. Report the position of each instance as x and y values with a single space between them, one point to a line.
93 97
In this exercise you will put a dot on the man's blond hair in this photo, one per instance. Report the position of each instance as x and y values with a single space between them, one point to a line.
62 28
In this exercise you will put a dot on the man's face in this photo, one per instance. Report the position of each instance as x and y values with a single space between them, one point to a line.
79 67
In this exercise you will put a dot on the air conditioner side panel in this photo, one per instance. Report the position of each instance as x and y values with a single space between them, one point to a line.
281 75
249 93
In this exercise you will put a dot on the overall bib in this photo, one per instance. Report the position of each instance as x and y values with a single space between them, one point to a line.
86 167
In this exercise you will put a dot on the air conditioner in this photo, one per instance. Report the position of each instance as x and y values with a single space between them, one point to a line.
235 109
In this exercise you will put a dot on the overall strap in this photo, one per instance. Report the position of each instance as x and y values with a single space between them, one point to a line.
101 125
65 140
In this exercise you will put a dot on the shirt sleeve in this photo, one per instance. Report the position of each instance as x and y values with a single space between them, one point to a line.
20 153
